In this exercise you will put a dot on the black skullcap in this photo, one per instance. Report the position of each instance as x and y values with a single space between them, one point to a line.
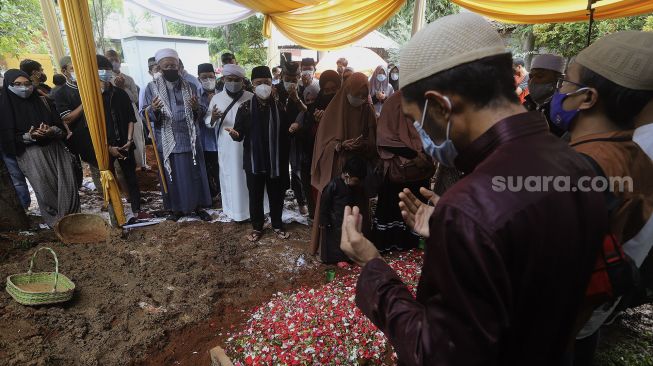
205 68
261 72
308 61
291 68
103 63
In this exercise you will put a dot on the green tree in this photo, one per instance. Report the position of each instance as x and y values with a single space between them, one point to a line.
648 25
100 11
244 39
21 28
568 39
400 25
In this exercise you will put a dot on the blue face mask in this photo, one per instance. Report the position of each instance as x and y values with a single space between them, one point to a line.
560 117
446 152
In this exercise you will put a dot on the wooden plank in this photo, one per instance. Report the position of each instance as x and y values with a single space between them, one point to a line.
219 358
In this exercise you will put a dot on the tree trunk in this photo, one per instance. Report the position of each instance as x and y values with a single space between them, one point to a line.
529 46
12 215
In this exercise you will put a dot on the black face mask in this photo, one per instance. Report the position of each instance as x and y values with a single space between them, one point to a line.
43 78
171 75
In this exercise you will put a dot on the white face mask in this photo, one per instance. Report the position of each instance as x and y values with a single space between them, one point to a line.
233 86
208 84
307 73
22 91
380 77
287 85
72 77
263 91
156 75
355 101
394 76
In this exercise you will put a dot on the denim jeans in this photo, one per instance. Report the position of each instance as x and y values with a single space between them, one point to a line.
18 179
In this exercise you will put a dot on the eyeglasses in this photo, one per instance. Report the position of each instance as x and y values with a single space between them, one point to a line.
561 80
26 83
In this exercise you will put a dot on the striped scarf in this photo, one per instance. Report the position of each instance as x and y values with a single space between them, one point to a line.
167 117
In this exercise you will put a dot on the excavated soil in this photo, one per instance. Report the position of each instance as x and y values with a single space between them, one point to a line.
159 295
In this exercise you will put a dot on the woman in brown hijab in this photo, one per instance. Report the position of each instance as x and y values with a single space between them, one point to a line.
405 165
347 128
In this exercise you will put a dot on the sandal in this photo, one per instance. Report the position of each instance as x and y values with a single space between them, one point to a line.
281 234
255 236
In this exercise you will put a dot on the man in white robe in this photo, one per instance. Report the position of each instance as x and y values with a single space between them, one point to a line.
221 114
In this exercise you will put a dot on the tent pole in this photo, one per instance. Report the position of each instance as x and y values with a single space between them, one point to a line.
52 29
590 10
419 15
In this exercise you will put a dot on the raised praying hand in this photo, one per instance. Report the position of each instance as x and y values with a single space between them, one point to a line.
157 103
215 114
352 241
416 213
233 133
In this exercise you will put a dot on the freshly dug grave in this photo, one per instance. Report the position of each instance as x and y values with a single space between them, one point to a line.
160 295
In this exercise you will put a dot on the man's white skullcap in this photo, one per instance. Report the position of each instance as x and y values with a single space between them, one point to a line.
446 43
625 58
549 61
233 70
165 52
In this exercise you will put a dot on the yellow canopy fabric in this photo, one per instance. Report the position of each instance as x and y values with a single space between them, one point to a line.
77 22
330 24
554 11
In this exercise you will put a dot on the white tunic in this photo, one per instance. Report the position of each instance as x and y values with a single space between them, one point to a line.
233 184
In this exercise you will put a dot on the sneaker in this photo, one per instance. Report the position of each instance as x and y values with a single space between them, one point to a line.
204 216
174 217
142 215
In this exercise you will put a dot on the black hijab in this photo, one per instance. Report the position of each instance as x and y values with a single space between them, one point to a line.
21 114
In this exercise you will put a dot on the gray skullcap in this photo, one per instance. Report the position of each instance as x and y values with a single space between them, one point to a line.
549 61
446 43
625 58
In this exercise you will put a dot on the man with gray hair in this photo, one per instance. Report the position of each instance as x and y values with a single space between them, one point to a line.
504 271
171 105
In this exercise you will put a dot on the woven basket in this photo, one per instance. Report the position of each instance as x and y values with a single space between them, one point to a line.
81 228
40 288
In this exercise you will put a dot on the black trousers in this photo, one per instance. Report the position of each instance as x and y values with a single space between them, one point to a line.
128 167
256 185
212 171
308 189
297 185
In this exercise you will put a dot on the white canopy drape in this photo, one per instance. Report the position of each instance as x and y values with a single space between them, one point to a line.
201 13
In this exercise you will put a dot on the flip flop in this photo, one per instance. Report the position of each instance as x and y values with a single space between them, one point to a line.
255 236
281 234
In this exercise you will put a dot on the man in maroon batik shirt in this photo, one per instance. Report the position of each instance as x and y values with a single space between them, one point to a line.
505 269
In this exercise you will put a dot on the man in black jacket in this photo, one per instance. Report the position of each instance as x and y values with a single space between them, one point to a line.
120 120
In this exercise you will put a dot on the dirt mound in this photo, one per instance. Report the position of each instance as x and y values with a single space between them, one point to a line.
158 295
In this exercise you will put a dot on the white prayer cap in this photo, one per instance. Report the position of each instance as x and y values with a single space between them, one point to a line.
446 43
233 70
164 53
549 61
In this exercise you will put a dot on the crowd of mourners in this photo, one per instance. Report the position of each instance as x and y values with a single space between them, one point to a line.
380 163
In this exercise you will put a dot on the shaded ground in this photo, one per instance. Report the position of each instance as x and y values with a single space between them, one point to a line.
137 292
629 340
166 294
